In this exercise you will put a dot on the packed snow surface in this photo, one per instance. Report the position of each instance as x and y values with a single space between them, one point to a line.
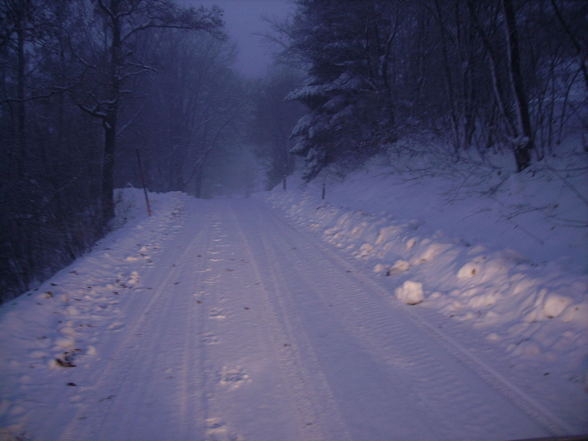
223 320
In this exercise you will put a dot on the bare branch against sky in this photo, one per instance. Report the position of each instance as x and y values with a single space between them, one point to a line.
244 23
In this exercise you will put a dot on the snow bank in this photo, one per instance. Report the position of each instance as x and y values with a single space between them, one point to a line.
59 324
508 258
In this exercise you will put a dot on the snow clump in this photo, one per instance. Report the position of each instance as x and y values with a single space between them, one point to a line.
410 293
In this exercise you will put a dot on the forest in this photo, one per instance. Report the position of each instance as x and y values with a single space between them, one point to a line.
88 87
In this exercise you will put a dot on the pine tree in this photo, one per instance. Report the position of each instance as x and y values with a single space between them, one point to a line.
345 47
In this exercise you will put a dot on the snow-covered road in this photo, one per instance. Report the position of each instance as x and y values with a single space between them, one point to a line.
223 322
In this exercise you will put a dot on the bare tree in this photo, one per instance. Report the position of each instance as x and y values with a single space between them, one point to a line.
124 22
193 105
524 141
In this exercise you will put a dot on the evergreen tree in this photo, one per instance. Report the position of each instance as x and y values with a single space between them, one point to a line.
345 46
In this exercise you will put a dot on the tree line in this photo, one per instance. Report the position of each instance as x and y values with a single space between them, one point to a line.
76 92
85 85
484 74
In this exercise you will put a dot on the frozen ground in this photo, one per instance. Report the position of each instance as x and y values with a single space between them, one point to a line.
220 320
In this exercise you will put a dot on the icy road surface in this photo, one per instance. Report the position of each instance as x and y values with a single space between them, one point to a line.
222 322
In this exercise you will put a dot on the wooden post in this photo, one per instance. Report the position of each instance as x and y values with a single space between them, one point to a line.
142 176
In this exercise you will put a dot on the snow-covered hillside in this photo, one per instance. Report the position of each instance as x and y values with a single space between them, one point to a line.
505 255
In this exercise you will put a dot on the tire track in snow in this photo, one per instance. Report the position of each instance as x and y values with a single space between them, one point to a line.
194 402
88 308
211 356
367 331
318 417
99 419
306 356
247 386
538 413
542 416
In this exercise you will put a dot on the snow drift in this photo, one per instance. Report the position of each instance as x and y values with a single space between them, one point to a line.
503 254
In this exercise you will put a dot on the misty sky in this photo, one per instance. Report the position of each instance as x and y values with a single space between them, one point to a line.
243 19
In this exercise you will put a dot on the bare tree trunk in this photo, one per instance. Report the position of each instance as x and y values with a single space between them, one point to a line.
20 95
497 85
417 62
110 122
449 86
198 181
108 168
524 146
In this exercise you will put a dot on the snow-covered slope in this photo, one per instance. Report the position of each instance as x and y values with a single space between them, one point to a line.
504 255
60 324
